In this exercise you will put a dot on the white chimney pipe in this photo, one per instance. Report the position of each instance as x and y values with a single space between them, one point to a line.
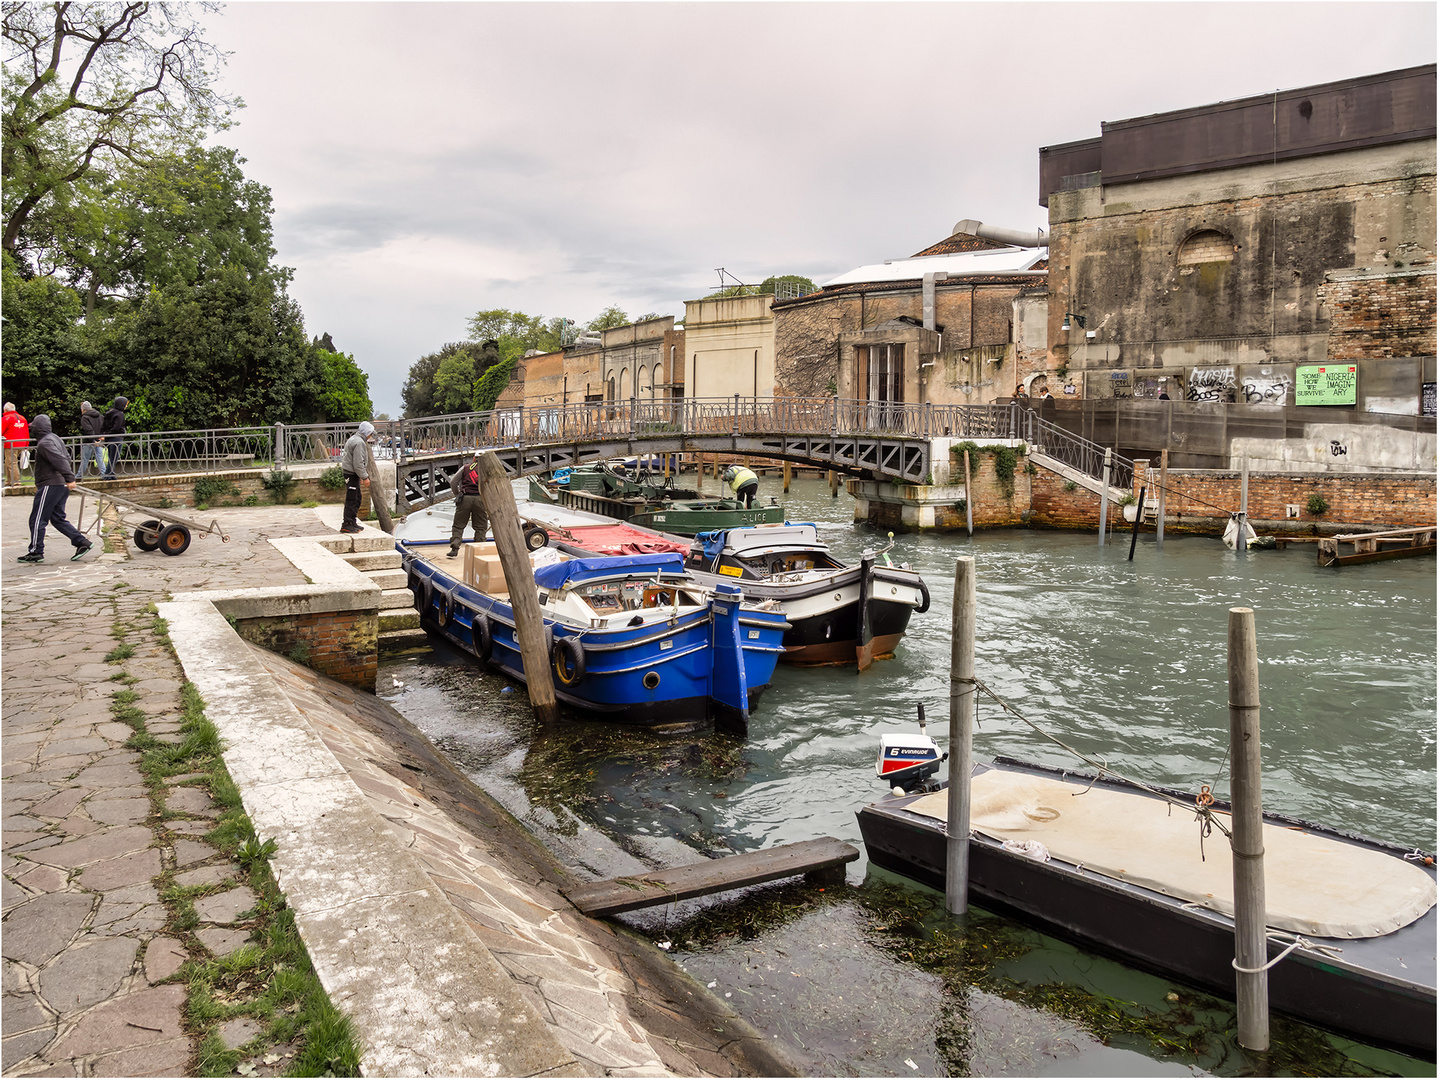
1000 236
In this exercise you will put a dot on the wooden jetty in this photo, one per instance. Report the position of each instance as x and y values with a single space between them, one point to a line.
599 898
1374 546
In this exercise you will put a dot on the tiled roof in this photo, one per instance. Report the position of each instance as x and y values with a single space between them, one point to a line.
953 245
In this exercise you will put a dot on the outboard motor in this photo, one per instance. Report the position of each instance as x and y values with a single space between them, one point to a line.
907 761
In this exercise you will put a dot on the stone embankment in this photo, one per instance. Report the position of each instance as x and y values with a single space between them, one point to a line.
432 918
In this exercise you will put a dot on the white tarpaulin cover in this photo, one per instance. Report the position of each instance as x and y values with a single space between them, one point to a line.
1312 885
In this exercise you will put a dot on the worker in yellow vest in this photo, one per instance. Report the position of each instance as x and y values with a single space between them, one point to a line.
744 482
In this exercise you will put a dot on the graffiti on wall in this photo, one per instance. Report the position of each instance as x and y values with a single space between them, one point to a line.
1211 384
1272 389
1428 399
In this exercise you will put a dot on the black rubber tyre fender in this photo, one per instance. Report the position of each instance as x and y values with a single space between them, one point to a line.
444 607
923 598
418 589
147 536
175 540
483 635
567 657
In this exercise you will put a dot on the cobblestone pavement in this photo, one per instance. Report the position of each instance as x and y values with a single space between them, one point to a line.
86 952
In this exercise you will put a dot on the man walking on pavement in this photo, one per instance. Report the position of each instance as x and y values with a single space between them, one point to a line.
92 423
468 504
355 464
113 428
53 483
16 433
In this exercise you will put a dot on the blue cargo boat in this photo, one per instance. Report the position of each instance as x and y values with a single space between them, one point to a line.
633 639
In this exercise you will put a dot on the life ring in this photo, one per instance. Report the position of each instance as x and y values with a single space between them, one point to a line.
444 607
567 657
924 598
484 639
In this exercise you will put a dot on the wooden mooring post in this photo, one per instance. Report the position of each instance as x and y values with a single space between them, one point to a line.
499 500
833 484
1104 495
968 498
1251 950
1163 485
961 749
786 473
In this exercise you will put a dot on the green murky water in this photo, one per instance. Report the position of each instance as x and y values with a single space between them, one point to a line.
1124 660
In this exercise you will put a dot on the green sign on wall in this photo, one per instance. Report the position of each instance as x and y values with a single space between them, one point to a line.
1325 384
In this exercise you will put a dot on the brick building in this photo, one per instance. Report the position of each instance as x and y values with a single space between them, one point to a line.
960 322
1230 251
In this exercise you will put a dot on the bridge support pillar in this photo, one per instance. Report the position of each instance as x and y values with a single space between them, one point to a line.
908 506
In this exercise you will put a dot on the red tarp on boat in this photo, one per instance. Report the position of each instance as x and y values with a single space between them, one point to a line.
620 539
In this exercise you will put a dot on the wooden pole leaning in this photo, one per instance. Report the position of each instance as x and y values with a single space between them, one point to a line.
379 495
499 501
1251 950
961 749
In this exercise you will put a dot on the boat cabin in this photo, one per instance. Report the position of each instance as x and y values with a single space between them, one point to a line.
761 552
627 590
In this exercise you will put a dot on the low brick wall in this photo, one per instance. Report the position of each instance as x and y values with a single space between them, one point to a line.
179 489
1199 500
343 645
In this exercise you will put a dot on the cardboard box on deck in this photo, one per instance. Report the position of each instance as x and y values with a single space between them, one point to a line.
482 569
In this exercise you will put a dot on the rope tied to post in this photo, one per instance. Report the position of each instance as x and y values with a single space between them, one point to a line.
1298 943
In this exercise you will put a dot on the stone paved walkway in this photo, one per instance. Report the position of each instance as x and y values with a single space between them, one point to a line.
86 947
85 950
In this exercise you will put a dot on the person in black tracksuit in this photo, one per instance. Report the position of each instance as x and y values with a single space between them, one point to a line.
113 428
54 480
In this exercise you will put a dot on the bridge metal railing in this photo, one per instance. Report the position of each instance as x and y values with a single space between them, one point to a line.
153 453
288 445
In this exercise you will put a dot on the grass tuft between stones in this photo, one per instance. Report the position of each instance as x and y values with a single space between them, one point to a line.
270 979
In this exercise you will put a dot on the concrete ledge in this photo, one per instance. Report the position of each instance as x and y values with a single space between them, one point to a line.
390 950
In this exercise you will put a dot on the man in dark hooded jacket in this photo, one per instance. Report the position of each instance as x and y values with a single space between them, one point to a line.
54 480
92 448
113 428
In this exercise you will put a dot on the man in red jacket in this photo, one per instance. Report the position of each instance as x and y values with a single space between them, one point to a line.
16 433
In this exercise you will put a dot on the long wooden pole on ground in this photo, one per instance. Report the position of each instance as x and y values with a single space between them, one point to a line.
378 494
961 750
499 501
1251 953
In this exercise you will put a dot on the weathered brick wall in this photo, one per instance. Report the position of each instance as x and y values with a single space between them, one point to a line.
1380 316
806 333
340 644
1357 501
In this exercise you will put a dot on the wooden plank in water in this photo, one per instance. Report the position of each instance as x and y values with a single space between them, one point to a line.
610 897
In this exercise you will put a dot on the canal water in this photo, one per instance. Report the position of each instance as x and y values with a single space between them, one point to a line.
1124 660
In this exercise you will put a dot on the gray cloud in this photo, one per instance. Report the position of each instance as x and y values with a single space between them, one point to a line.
430 160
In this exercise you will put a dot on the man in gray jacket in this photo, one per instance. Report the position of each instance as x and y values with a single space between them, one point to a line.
355 464
54 480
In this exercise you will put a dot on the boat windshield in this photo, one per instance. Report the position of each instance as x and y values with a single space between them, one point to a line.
776 563
634 594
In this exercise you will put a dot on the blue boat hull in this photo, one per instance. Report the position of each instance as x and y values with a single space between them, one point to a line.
655 676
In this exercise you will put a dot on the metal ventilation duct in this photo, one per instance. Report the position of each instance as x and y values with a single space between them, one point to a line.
1001 236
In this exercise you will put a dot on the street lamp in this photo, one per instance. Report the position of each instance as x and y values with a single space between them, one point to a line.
1065 325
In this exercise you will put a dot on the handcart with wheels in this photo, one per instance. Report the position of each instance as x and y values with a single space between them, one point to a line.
159 531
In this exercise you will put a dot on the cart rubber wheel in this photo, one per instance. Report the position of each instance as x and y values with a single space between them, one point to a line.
536 538
174 540
147 536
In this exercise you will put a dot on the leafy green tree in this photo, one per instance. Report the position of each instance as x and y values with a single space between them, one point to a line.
346 393
455 383
608 319
492 384
89 85
419 393
42 357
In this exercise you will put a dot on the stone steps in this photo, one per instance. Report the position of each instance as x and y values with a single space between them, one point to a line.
373 560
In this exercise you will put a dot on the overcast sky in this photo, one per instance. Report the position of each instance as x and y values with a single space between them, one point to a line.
428 161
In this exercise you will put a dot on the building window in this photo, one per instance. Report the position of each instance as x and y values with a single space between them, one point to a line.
880 371
1206 246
